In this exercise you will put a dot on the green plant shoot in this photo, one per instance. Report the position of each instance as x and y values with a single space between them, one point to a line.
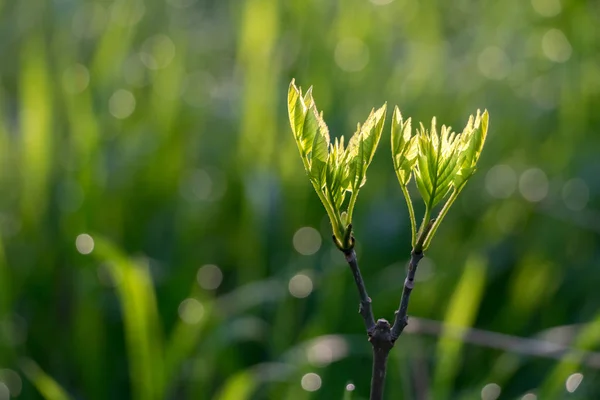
441 162
333 168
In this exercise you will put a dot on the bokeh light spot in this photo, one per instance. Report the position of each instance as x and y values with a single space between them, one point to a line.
556 46
491 391
191 311
157 52
121 104
546 8
326 349
84 243
350 387
351 54
320 355
75 79
529 396
12 380
209 277
576 194
533 185
494 63
4 392
307 240
501 181
311 382
300 286
573 382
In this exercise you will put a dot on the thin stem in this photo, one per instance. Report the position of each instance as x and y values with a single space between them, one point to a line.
336 222
365 309
401 319
424 230
411 213
441 216
351 203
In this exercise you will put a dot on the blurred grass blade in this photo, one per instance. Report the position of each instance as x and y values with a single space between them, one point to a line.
140 314
36 122
48 387
5 290
238 387
259 32
116 41
185 339
462 311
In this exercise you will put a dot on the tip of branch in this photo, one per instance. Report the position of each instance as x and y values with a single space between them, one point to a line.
348 244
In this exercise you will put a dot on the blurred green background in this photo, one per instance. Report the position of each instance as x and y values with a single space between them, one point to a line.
159 238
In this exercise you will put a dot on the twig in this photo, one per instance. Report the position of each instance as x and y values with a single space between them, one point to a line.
365 309
401 319
382 335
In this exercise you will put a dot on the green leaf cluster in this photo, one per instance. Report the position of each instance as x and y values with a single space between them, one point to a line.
440 161
334 169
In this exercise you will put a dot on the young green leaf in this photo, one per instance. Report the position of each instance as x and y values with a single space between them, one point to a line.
441 163
404 147
437 163
320 147
332 169
297 111
363 144
473 139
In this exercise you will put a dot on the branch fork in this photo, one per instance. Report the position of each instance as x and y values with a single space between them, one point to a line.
382 335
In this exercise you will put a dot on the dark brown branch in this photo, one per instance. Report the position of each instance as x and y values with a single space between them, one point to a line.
382 342
381 335
365 309
401 319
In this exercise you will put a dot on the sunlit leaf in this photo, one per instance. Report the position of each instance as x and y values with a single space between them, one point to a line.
473 140
320 148
404 147
437 163
363 144
297 114
371 132
333 170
